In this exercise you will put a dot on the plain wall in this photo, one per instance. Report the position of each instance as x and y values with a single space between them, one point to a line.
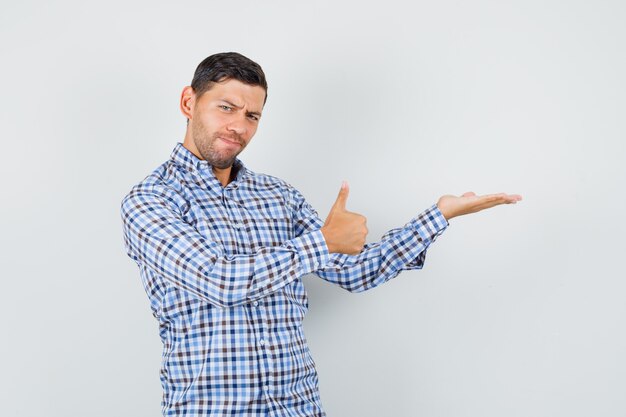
519 311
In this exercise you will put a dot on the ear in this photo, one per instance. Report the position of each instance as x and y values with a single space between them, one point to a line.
187 102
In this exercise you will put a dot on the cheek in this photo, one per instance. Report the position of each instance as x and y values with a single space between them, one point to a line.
250 132
210 122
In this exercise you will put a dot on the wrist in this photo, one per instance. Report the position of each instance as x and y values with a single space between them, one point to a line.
326 235
445 210
312 250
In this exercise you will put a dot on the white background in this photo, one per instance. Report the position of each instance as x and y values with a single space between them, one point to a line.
519 311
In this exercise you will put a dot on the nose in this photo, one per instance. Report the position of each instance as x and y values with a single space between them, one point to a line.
238 126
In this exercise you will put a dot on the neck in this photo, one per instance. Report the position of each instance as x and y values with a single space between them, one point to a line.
223 175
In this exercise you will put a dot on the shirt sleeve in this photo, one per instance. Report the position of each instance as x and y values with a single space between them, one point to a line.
399 249
157 237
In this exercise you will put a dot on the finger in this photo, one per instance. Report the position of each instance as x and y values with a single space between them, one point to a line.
342 198
497 199
492 200
512 199
469 194
509 198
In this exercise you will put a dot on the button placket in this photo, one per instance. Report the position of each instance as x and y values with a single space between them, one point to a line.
263 331
262 344
234 214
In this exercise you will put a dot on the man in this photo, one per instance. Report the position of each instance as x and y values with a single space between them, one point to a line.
222 250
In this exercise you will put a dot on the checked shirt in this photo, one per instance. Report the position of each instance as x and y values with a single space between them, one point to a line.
223 267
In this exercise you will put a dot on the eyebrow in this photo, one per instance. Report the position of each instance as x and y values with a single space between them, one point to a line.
254 113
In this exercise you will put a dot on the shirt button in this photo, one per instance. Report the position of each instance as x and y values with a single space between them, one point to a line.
262 342
236 225
255 303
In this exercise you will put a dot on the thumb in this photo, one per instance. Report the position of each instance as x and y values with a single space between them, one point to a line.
342 198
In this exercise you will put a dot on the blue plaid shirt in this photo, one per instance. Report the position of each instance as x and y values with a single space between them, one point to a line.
223 267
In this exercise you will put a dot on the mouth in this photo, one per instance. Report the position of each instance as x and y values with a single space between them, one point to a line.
231 142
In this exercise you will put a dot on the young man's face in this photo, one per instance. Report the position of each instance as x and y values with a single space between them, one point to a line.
224 119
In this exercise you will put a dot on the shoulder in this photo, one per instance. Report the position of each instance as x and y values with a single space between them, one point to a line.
260 180
161 186
291 197
266 183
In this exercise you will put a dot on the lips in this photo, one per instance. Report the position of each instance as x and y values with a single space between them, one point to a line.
232 142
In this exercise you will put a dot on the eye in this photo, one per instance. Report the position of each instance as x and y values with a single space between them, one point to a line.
253 117
225 107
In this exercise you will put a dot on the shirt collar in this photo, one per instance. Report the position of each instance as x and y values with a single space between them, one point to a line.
186 159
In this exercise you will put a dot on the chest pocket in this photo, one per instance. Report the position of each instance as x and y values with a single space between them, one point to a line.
212 221
268 221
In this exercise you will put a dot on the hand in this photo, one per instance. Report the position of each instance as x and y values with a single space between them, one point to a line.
452 206
344 231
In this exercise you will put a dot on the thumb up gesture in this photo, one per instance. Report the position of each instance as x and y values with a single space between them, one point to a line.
343 230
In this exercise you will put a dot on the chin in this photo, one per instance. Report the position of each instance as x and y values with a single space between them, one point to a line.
221 163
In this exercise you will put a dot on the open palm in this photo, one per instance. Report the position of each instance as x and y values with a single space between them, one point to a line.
454 206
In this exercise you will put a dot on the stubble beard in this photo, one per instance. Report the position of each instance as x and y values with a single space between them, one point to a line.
205 143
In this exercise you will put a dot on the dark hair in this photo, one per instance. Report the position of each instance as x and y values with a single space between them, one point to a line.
227 65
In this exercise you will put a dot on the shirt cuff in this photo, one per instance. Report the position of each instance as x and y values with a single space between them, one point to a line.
430 224
313 251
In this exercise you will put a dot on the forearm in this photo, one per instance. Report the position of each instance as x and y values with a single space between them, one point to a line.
157 238
399 249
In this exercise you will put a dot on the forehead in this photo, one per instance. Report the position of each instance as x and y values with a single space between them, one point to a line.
249 96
